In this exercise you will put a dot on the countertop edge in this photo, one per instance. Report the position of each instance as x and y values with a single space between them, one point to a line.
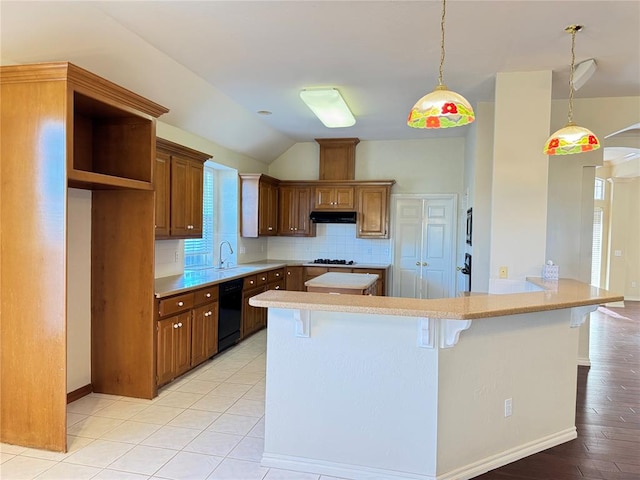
564 293
242 271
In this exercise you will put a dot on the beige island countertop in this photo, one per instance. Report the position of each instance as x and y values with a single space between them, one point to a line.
563 293
339 283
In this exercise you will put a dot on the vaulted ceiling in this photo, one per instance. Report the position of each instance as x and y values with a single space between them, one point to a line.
215 64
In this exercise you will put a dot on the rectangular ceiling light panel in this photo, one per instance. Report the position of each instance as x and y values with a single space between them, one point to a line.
329 106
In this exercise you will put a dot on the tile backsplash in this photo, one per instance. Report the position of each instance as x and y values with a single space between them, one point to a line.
333 241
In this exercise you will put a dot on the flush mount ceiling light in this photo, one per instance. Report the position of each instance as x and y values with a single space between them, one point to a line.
441 108
571 138
329 106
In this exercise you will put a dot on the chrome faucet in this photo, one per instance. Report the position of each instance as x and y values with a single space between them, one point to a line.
221 262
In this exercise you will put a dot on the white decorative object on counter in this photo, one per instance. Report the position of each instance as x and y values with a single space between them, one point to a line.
550 271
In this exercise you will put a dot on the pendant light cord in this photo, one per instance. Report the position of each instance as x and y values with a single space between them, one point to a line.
573 60
441 75
573 29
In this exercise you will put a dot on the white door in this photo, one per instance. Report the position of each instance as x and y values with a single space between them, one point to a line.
424 246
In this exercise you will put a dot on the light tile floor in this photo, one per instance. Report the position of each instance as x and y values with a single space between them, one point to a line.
209 424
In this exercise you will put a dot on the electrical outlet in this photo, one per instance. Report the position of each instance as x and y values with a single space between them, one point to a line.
243 250
503 272
508 407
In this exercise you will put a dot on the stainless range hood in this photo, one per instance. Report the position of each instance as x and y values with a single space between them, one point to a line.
333 217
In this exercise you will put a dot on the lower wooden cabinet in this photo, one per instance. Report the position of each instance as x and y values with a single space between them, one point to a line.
204 333
174 347
294 278
187 332
253 318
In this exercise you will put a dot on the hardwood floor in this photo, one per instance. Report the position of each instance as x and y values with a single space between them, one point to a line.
607 412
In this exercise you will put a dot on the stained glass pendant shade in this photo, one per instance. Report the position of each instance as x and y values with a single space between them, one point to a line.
441 108
571 138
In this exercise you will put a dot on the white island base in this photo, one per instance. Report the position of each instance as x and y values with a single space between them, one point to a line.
374 396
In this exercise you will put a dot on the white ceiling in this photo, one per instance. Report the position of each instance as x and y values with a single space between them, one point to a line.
216 63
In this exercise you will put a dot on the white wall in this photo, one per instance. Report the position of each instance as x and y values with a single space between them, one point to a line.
78 289
520 169
417 166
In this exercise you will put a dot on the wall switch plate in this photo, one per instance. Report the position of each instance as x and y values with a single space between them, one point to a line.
617 253
176 256
503 272
508 407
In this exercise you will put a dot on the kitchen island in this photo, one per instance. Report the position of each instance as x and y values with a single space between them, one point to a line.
338 283
375 387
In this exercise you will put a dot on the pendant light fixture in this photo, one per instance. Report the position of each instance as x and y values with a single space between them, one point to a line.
441 108
571 138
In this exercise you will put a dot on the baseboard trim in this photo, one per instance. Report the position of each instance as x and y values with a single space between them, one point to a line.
79 393
615 304
357 472
508 456
341 470
584 362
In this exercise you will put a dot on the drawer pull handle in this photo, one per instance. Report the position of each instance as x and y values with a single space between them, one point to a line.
180 304
277 274
251 282
277 287
208 295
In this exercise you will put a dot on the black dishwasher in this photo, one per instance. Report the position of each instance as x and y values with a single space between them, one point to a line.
230 313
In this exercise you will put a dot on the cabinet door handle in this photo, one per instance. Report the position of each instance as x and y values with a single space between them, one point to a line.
277 287
251 282
264 278
277 274
208 295
175 325
270 228
418 264
288 273
425 264
180 304
210 312
180 324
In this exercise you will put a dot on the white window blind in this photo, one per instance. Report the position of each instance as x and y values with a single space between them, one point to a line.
198 252
596 249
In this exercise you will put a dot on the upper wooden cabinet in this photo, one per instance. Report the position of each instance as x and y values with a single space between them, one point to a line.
179 183
373 211
259 205
337 158
334 197
294 210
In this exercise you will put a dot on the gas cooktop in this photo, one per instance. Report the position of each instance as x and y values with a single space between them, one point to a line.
333 262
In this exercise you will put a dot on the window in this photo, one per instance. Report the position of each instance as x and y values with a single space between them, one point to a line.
598 192
198 252
596 249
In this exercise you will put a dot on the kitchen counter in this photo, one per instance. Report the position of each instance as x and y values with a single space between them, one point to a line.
563 293
407 389
189 280
337 283
175 284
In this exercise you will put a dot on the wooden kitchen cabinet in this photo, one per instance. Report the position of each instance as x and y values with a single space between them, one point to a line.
179 185
63 126
333 197
259 205
293 279
294 210
337 158
187 331
204 333
253 318
373 211
174 347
